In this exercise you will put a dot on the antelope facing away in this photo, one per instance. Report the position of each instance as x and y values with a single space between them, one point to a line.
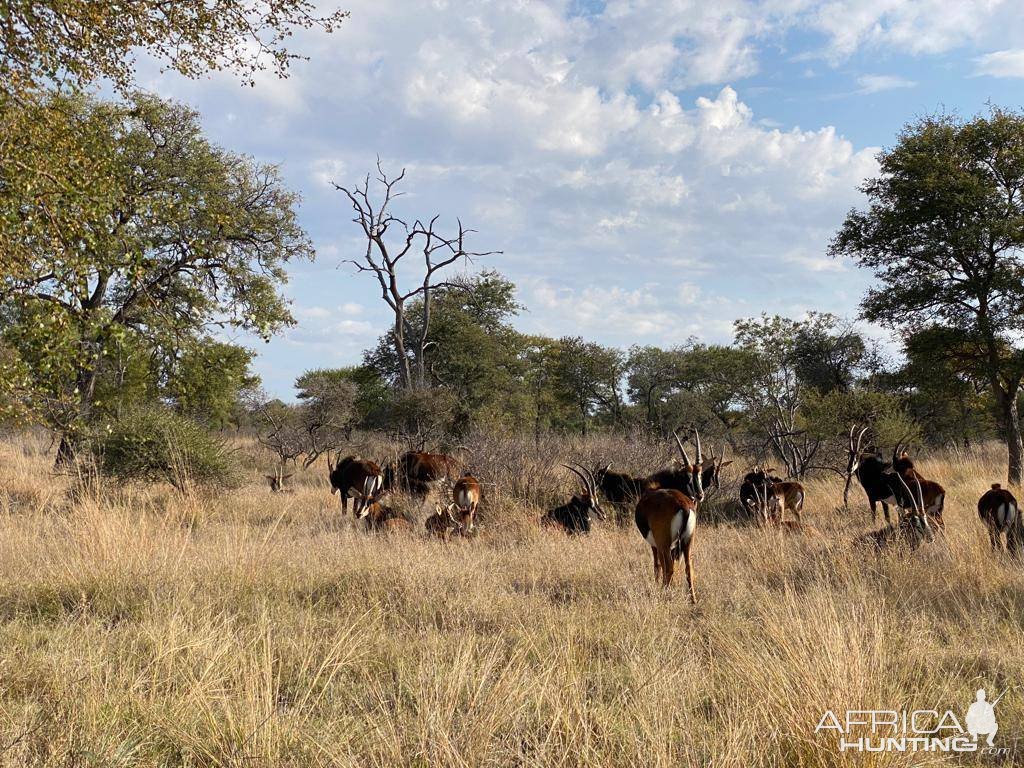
466 498
574 516
913 529
998 510
667 519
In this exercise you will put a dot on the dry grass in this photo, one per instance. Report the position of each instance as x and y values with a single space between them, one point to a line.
141 628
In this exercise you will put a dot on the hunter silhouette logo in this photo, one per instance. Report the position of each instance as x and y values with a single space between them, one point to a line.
981 717
925 730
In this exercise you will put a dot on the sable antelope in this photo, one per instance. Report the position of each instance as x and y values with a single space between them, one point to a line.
574 517
357 478
667 519
442 523
711 474
687 477
998 510
766 496
934 495
416 471
619 487
466 498
277 482
768 503
914 527
379 517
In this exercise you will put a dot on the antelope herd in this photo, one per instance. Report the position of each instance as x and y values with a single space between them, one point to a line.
667 501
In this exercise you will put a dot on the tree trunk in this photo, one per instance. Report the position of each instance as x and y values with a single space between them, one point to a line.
1014 442
67 449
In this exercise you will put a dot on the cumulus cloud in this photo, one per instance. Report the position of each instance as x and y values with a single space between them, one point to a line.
1008 63
628 205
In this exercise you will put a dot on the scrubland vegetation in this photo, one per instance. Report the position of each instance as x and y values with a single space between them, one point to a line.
142 626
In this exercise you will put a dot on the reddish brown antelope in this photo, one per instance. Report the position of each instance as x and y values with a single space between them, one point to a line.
767 503
934 495
379 517
466 498
667 519
998 510
768 497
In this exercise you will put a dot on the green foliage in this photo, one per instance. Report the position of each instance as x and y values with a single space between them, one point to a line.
944 236
156 444
79 42
141 228
206 380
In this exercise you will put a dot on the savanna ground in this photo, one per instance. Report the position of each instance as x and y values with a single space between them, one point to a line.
141 627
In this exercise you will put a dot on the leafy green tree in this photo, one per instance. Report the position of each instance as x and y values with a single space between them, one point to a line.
207 379
592 377
952 405
149 229
943 234
654 374
80 41
474 352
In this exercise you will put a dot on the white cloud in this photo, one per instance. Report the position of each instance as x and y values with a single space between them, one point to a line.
1008 63
877 83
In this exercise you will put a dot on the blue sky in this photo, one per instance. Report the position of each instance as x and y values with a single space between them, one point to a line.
651 169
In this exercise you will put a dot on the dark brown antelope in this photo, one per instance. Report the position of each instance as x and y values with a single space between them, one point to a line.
998 510
574 516
357 479
712 469
442 523
416 471
619 487
686 477
914 527
277 481
667 520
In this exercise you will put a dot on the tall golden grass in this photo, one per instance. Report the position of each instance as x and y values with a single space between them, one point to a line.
141 627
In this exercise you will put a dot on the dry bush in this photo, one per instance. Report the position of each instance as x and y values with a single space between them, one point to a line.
141 627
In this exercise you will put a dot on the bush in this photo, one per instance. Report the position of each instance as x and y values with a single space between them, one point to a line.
157 444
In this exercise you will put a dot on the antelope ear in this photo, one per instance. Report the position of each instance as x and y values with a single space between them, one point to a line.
726 463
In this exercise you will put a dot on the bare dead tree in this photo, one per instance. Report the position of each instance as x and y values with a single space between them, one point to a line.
384 252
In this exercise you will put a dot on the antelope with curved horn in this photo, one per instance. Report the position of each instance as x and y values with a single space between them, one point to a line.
688 477
574 516
768 503
914 527
442 523
711 474
998 510
767 497
357 479
933 494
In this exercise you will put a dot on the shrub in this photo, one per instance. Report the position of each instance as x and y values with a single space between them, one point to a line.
156 444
